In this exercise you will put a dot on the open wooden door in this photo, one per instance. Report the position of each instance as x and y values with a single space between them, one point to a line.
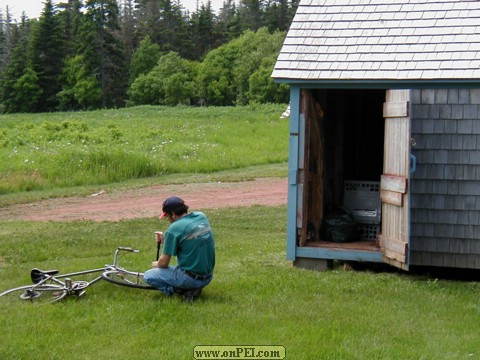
394 236
310 169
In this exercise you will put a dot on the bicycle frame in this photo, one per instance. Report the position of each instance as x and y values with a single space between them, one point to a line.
55 278
50 282
107 267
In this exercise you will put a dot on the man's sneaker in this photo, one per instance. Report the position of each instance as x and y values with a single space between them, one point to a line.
192 295
179 291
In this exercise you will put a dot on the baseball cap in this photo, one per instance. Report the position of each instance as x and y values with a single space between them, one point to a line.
171 204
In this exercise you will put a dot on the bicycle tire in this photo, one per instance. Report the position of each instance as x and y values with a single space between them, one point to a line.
126 278
38 294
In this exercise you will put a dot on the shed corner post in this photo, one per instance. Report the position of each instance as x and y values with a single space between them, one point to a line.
295 94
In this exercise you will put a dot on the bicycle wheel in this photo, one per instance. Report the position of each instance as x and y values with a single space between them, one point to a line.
126 278
38 294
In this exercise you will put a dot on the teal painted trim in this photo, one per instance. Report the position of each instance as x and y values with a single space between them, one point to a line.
337 254
292 172
383 84
409 224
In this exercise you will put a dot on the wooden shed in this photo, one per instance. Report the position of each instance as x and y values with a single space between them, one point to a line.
385 123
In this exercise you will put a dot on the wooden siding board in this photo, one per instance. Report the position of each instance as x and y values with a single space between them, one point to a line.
426 259
472 261
461 260
475 245
449 260
437 259
445 214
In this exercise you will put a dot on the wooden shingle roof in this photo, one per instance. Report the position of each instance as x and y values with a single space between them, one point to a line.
382 40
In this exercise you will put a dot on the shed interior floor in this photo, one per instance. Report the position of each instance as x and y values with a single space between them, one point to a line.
367 245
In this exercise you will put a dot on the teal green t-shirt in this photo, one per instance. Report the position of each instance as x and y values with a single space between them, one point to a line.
191 240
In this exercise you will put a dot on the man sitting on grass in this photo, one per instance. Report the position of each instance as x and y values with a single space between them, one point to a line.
189 238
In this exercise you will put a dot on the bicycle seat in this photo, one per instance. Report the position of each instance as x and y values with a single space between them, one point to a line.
38 275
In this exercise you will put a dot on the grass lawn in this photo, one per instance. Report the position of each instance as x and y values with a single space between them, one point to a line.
70 149
256 298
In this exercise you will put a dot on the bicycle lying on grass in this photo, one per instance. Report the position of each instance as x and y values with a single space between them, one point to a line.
48 286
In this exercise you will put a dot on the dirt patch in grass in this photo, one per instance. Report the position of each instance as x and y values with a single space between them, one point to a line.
147 202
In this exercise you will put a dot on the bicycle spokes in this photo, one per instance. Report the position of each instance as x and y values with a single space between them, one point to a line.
38 294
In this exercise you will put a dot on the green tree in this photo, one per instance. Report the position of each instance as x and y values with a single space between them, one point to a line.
71 17
144 59
255 49
251 14
28 92
173 31
128 30
224 78
5 38
102 51
165 24
203 32
215 77
261 87
16 65
81 89
46 56
171 82
276 15
147 15
229 21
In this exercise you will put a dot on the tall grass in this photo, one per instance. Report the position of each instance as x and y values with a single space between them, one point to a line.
256 298
45 151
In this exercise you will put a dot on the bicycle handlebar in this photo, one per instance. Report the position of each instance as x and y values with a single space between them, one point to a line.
123 248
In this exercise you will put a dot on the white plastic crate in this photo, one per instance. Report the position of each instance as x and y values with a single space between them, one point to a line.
368 231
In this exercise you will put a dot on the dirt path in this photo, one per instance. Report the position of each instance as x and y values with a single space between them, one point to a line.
146 202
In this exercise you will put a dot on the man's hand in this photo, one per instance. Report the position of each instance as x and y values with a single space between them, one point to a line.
160 237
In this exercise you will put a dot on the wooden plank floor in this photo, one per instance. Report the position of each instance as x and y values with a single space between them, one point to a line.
356 245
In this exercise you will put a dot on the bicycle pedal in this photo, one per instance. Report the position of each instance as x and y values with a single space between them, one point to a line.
30 294
81 293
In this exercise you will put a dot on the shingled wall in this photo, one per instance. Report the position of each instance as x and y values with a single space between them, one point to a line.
445 188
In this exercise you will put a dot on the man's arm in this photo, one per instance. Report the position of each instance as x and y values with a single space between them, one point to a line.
162 262
164 259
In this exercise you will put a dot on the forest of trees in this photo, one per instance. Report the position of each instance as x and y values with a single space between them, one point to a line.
81 55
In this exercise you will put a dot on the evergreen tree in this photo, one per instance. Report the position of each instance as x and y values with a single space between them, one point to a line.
128 30
277 15
71 17
172 29
202 31
102 51
16 65
251 14
292 9
5 38
46 56
147 15
229 22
